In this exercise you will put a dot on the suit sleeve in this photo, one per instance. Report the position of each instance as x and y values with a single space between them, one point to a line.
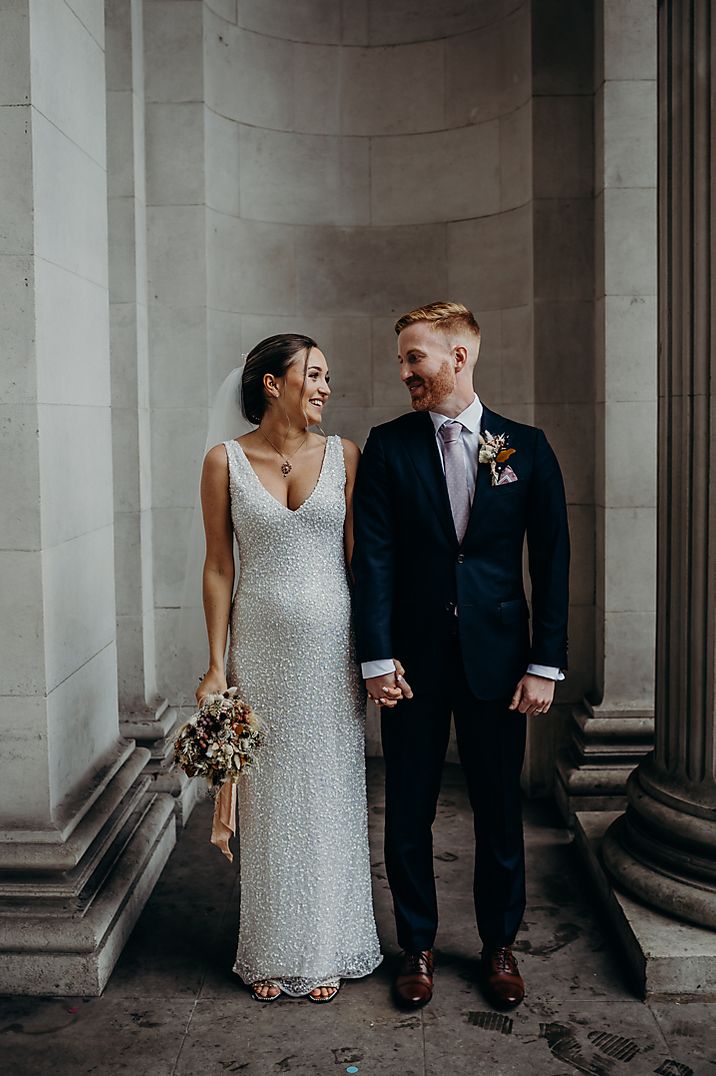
373 562
548 549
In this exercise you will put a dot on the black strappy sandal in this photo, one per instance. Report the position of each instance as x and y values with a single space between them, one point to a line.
265 997
332 984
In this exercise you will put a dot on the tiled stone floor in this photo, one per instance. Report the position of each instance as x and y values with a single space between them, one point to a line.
173 1005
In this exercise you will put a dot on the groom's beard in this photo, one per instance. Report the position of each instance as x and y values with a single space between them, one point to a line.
430 391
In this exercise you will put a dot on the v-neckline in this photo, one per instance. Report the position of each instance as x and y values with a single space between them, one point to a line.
291 511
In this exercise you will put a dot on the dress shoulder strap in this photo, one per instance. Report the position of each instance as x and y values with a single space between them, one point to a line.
336 458
232 453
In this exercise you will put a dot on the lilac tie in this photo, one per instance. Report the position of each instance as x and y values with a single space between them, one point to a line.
456 475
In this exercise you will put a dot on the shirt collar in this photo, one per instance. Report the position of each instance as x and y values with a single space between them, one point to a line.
470 418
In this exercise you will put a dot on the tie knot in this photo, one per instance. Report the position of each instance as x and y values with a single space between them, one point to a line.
450 431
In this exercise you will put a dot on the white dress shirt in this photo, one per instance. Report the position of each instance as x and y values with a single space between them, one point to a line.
470 420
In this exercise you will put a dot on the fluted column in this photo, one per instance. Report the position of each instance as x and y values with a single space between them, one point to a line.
664 848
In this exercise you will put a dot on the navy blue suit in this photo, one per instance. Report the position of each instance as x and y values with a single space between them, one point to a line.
410 575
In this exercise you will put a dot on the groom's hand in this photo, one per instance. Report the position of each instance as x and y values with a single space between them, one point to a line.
383 690
533 695
388 690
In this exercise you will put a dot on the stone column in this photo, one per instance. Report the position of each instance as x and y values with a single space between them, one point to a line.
81 842
563 316
663 849
611 728
145 714
178 146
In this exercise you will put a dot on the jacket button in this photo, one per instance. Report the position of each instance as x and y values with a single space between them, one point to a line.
460 558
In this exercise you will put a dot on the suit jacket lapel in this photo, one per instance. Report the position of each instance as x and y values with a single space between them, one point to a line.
489 421
423 453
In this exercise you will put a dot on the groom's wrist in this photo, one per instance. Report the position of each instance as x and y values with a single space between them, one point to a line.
550 672
379 667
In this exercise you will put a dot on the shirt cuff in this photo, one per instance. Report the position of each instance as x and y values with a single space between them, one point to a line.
550 671
377 668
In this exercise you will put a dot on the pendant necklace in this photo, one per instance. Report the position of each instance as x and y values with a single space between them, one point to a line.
286 466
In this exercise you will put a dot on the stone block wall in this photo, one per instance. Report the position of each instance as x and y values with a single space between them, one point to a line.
322 170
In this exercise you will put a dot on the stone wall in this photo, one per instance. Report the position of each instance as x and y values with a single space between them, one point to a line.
322 171
322 167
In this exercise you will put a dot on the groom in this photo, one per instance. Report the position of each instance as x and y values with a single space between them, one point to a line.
443 501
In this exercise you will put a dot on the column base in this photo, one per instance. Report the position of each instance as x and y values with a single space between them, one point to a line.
605 746
67 909
662 848
665 957
156 729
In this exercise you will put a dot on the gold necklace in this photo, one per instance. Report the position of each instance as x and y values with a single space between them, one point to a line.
286 466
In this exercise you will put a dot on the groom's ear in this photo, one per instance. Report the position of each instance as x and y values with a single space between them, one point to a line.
461 356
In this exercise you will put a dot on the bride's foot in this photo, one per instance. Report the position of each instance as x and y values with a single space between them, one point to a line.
265 990
327 992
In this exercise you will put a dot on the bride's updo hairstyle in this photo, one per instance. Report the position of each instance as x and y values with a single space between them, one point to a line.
273 356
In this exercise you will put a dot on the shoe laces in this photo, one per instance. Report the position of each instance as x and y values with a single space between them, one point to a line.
505 960
417 963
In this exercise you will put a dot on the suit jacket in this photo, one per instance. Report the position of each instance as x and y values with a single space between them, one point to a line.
410 570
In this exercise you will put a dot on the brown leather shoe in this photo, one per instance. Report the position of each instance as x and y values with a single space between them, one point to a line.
414 981
504 986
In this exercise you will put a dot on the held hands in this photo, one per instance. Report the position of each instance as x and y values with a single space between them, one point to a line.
388 690
533 695
212 682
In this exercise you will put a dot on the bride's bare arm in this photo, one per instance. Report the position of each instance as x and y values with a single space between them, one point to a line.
351 455
218 577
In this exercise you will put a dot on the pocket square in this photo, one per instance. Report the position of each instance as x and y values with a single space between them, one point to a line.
507 475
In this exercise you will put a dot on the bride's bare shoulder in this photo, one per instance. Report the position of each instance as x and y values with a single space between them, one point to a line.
350 449
351 455
215 459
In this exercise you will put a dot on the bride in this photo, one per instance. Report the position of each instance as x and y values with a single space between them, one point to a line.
285 493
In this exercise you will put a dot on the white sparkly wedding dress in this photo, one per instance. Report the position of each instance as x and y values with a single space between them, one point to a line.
306 903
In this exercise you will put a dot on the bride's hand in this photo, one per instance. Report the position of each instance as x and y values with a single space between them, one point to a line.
213 682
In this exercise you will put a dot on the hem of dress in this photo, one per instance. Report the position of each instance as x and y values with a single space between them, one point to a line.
286 988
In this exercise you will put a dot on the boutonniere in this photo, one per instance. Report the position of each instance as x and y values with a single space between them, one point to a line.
494 450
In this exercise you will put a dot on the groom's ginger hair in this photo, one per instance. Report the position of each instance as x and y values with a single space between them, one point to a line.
443 316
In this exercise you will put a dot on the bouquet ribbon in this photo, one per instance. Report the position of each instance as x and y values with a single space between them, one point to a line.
223 824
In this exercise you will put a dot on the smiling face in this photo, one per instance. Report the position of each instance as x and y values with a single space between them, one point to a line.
304 397
429 367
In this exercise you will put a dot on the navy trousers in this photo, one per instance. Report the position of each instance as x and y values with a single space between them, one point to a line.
491 745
